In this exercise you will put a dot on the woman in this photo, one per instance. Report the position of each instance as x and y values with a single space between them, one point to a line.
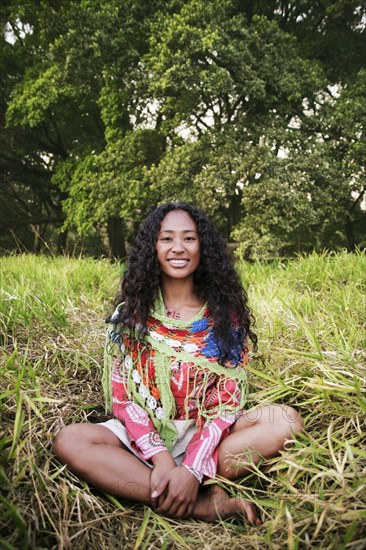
175 360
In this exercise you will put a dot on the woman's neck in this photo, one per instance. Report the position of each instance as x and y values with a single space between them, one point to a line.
179 296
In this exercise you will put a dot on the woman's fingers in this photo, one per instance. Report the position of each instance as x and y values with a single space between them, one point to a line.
175 510
158 494
189 510
182 511
169 506
173 507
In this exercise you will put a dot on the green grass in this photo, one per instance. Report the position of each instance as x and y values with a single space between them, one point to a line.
311 326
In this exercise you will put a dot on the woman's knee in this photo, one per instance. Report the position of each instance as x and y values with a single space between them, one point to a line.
66 444
287 421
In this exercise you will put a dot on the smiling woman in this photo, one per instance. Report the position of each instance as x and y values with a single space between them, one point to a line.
177 347
178 245
178 254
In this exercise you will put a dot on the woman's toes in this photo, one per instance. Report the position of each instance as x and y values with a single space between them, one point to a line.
251 513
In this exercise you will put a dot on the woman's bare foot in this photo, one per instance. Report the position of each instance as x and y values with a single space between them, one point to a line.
216 504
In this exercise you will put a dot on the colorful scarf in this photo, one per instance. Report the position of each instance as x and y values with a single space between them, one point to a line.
146 365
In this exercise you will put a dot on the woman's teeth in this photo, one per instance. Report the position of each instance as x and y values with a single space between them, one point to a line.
178 263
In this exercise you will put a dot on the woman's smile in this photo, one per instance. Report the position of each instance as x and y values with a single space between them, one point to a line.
175 262
178 246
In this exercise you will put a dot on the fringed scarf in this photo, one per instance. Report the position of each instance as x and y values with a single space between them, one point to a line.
146 365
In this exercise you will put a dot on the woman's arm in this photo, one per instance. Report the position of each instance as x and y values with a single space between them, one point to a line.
177 491
143 436
140 430
222 400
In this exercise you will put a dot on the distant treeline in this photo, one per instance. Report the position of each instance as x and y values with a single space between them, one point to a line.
253 110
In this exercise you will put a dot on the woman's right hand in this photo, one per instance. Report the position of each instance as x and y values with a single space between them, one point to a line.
163 463
180 490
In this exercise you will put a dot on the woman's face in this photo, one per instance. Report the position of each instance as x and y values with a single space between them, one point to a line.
178 246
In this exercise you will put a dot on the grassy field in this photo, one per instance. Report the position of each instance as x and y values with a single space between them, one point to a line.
311 325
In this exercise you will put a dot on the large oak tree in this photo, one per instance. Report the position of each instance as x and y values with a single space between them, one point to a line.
253 110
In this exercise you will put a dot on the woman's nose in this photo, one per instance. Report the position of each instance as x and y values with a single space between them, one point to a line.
178 245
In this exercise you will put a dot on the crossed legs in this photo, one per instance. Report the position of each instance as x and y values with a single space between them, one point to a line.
94 453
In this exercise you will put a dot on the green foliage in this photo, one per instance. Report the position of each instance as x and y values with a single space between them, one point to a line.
312 341
115 182
253 110
300 202
34 98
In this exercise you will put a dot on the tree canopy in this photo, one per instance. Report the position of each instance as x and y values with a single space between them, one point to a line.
253 110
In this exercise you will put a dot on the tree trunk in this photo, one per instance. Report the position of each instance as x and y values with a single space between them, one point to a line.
234 213
62 243
298 243
37 238
115 231
349 234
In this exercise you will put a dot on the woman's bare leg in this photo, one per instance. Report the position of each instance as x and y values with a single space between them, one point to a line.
97 455
259 433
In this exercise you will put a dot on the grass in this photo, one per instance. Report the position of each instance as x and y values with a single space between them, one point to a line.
311 325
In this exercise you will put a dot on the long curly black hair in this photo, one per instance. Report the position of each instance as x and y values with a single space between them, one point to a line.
216 281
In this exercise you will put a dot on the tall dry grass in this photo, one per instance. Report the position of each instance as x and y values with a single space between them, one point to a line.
311 325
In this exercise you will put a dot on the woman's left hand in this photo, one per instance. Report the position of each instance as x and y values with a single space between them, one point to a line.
181 488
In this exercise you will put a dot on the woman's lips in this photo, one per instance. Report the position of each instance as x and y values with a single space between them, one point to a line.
178 263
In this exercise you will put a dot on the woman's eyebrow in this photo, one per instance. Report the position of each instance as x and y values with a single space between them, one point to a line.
173 231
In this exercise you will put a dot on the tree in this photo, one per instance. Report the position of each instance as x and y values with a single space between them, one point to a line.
344 136
235 85
68 92
251 109
27 198
114 186
247 82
